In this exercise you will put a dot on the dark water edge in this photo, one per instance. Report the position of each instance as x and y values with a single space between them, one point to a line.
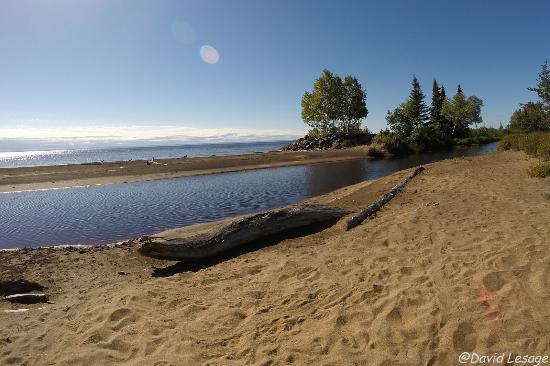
112 213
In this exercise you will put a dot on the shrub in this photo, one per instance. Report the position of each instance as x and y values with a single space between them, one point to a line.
374 152
540 170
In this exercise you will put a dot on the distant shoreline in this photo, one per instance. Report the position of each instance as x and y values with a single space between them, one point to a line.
64 176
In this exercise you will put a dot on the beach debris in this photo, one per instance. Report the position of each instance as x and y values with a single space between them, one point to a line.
377 206
547 194
27 298
205 240
121 273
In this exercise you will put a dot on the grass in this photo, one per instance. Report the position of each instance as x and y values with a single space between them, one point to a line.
540 170
536 144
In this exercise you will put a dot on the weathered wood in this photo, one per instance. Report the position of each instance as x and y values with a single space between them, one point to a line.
206 240
27 298
376 206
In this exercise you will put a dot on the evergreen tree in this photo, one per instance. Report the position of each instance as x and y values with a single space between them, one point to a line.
445 124
418 111
437 105
543 85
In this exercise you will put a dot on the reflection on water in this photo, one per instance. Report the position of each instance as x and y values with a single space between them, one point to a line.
106 214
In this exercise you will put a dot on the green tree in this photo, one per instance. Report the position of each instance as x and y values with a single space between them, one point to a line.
355 108
334 105
530 117
474 107
409 115
322 108
457 111
436 109
417 109
543 84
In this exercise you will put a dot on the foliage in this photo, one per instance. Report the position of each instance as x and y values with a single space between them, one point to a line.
535 116
461 112
530 117
334 105
535 144
415 128
391 142
543 84
540 170
409 115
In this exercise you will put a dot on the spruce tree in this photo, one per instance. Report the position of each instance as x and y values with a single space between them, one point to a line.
437 105
418 112
543 85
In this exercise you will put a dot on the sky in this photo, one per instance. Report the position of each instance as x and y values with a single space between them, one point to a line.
99 69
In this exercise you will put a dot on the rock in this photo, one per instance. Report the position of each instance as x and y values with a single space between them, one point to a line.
547 194
336 141
27 298
206 240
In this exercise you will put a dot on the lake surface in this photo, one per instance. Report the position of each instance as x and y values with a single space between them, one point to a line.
10 159
111 213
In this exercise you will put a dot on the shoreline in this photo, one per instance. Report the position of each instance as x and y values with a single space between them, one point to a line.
458 258
81 175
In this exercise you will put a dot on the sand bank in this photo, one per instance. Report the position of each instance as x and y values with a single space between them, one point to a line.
59 176
459 261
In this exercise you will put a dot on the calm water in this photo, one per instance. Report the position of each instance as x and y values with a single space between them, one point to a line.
78 156
106 214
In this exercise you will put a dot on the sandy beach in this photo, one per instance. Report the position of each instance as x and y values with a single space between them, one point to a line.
458 262
58 176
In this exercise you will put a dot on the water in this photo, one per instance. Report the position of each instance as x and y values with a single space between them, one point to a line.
111 213
78 156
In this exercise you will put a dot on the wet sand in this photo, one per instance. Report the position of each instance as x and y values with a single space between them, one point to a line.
58 176
459 261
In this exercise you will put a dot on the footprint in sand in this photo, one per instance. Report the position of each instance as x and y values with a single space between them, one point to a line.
493 281
464 337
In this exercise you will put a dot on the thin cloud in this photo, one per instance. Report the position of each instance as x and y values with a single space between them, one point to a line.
145 134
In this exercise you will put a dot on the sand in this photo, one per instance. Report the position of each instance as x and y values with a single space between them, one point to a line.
59 176
460 261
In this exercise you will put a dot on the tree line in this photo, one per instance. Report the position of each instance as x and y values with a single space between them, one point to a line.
338 106
535 116
417 125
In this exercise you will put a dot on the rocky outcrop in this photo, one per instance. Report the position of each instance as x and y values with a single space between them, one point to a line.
336 141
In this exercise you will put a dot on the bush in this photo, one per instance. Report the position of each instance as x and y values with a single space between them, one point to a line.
391 142
535 144
540 170
375 152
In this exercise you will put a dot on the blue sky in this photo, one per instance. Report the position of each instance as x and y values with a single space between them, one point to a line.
78 65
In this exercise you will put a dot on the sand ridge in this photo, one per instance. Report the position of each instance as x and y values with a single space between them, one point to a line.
458 262
76 175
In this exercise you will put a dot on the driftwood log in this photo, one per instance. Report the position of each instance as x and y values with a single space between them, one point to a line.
206 240
376 206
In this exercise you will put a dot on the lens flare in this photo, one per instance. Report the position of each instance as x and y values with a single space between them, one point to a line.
183 32
209 54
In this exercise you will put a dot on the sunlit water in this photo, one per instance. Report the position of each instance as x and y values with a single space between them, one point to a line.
78 156
111 213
